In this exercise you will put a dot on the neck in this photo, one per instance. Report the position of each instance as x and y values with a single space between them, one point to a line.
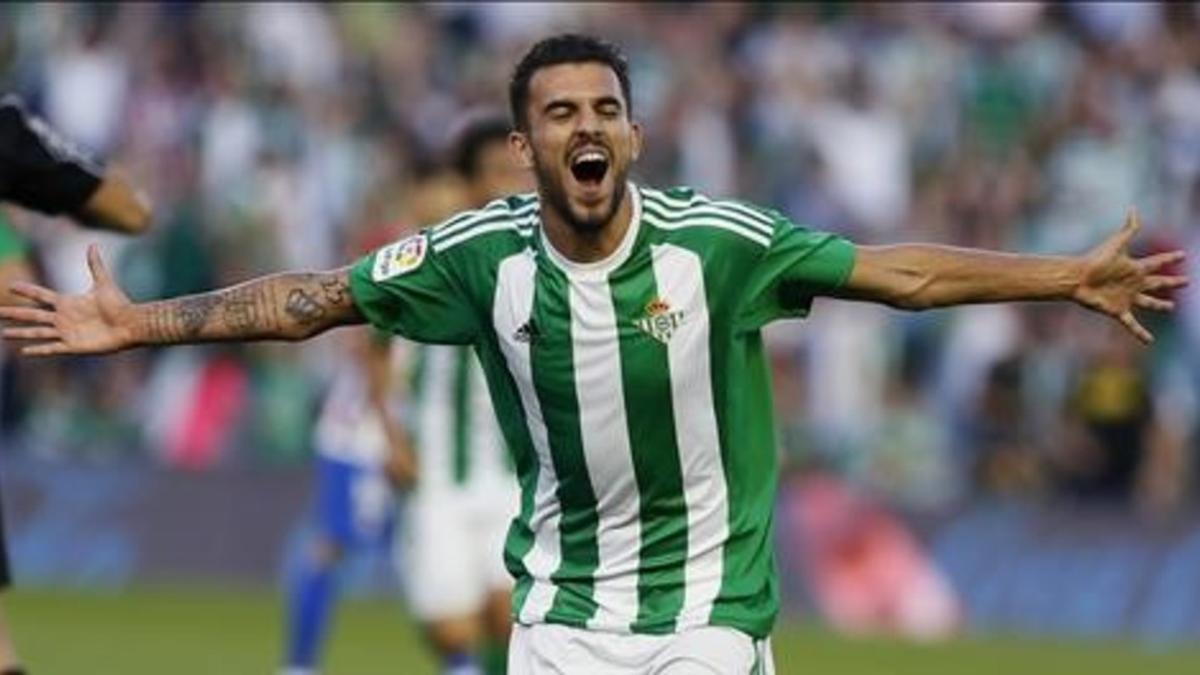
586 247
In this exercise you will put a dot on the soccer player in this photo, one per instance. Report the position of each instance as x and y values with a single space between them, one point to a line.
362 453
40 170
466 492
619 329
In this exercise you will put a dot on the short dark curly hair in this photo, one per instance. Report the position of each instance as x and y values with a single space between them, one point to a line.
565 48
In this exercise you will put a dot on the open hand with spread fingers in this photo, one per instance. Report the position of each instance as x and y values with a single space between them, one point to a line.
95 322
1113 283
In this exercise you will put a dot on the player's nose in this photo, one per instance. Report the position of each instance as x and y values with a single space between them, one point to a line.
589 122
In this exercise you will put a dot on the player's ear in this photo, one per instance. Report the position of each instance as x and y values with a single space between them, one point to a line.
636 140
521 149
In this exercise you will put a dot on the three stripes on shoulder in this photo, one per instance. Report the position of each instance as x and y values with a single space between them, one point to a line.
658 209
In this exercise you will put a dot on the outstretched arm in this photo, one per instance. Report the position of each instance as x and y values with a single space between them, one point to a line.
288 306
1105 280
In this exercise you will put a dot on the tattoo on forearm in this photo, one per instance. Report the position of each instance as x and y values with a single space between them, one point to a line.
276 307
335 291
303 306
193 313
187 319
241 308
159 328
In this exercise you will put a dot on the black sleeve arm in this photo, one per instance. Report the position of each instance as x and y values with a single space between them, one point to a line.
39 169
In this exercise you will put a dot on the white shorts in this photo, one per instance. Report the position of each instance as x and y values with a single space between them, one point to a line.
452 550
547 649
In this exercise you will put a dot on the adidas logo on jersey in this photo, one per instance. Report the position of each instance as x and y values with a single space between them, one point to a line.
659 321
528 332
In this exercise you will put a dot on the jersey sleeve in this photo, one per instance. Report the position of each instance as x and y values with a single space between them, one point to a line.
799 265
407 289
12 244
39 169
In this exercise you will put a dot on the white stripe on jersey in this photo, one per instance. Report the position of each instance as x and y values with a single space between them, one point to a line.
662 212
604 430
511 309
679 276
764 223
436 425
496 211
489 455
727 225
523 228
493 207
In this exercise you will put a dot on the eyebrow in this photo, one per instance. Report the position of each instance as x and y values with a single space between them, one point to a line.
568 103
609 100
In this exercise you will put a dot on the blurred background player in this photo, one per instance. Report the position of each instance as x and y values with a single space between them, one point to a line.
42 171
362 454
466 492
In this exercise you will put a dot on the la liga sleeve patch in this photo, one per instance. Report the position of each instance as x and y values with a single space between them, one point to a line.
399 258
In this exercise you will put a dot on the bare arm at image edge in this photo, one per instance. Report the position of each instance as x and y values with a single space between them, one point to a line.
1106 279
287 306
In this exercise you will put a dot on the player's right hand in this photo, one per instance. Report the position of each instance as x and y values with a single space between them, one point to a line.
96 322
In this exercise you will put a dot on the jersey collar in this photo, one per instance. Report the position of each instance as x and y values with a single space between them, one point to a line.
600 268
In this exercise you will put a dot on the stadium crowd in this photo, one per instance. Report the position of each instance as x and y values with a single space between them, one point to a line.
279 135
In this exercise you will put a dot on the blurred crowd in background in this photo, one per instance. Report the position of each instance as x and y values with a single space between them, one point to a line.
275 136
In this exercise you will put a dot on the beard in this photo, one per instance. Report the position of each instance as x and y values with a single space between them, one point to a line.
554 195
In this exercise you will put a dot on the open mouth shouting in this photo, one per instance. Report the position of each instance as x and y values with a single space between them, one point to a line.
589 166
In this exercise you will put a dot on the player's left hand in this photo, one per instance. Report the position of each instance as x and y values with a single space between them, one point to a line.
401 466
1113 283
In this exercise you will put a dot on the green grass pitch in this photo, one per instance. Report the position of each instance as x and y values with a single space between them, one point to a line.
208 631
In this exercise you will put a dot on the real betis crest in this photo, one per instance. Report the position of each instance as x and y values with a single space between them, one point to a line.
659 322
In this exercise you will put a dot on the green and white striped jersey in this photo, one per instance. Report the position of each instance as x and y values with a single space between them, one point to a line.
632 392
458 443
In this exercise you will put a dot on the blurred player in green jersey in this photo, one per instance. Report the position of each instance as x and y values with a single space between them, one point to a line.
466 493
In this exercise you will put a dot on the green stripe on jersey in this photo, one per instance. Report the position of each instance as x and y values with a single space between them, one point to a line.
504 375
416 374
512 417
749 598
554 380
646 381
531 551
462 414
